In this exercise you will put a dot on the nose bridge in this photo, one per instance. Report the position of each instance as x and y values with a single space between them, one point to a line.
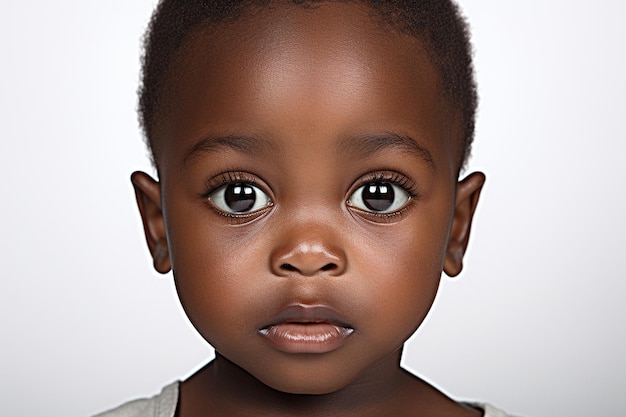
308 246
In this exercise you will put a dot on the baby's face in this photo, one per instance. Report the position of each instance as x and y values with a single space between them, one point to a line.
308 177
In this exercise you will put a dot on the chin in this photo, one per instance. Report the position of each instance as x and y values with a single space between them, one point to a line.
305 382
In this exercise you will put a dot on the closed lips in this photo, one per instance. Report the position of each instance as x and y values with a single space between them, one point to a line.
307 329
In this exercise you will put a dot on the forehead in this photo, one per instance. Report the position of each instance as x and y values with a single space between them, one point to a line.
292 68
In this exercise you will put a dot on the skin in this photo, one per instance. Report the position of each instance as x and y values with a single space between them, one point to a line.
289 99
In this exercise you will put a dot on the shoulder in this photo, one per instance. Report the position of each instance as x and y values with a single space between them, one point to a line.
161 405
489 410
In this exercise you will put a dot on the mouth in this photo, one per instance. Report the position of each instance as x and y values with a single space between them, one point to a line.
307 329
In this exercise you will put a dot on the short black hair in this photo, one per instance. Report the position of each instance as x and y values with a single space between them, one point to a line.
438 23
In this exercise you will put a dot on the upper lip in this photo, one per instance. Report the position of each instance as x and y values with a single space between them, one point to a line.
307 313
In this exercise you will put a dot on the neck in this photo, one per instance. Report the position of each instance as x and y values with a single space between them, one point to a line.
227 389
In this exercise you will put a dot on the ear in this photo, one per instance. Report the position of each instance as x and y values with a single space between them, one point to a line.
467 193
148 193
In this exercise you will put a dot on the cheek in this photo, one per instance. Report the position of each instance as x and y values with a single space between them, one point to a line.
215 268
402 278
212 287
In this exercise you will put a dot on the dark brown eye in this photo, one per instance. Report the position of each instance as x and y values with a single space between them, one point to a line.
379 197
238 198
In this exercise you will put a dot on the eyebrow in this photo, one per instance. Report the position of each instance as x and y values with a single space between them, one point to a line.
250 145
366 145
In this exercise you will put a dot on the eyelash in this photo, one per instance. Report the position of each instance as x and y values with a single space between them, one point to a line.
225 178
392 177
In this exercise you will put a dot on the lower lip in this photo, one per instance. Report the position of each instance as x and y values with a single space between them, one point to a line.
306 337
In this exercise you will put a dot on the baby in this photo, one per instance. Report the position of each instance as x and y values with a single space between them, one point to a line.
307 202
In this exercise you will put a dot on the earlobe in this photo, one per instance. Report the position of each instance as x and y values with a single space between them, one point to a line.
148 194
467 194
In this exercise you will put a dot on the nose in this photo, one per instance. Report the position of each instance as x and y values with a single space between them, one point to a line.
308 257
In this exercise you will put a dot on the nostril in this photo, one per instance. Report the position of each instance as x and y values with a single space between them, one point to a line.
289 267
329 267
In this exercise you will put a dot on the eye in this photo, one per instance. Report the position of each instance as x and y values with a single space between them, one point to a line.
239 198
379 197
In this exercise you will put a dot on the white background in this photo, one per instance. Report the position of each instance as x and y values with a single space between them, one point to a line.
535 324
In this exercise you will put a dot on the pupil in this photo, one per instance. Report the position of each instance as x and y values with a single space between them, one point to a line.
240 197
378 196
